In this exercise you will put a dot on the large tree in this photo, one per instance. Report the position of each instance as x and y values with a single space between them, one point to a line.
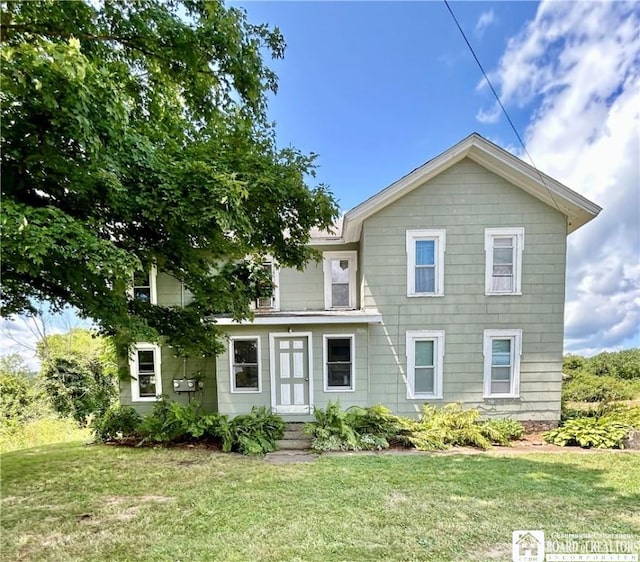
134 132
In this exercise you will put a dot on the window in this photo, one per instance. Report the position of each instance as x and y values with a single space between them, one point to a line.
425 263
144 364
144 286
502 350
339 363
340 279
272 302
425 359
503 248
245 364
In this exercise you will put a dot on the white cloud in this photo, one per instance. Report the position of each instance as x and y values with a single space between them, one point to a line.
576 65
489 116
485 20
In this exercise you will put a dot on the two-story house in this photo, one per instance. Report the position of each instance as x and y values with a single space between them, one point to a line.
447 286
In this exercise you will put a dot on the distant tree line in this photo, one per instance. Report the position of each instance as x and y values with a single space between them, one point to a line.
606 376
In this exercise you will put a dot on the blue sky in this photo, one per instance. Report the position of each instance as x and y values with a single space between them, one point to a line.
378 88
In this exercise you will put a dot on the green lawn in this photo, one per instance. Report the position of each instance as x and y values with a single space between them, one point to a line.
72 502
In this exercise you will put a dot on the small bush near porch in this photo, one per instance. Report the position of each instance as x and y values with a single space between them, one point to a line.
94 503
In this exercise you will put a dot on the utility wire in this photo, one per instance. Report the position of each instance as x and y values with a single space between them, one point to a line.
500 104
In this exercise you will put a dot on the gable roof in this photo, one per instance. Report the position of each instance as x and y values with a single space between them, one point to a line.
578 209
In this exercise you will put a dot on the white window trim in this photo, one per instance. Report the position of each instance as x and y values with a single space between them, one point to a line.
440 237
437 336
516 350
325 358
352 256
133 370
517 233
275 279
232 382
153 274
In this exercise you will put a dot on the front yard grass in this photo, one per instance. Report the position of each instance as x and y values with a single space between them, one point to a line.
73 502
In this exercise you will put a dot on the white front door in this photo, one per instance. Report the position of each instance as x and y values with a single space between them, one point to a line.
290 373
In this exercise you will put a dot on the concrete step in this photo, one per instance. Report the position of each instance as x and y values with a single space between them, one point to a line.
294 434
288 457
293 444
293 426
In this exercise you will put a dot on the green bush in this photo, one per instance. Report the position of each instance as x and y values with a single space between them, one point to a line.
601 433
375 427
78 388
252 434
502 431
21 399
439 428
586 387
170 422
623 364
118 422
355 429
604 426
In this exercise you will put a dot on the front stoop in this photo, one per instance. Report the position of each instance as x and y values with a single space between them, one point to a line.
294 439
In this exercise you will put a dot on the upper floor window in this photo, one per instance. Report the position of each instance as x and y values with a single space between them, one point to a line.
244 356
144 286
502 350
271 302
338 362
503 272
146 380
340 279
425 262
425 359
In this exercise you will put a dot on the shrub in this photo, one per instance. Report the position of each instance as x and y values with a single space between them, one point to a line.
21 401
170 422
78 388
623 364
439 428
602 433
355 429
602 427
252 434
375 427
502 431
573 363
118 422
586 387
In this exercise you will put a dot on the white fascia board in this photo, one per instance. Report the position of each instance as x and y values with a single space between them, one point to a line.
578 209
299 319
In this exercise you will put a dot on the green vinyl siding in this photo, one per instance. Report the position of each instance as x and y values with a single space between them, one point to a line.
465 200
240 403
177 368
171 292
302 290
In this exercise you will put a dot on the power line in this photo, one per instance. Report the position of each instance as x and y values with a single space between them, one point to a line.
500 104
